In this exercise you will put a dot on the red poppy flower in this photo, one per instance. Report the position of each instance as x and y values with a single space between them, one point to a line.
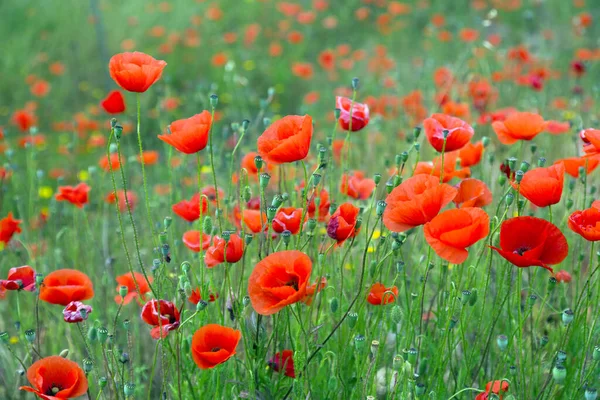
55 378
357 186
278 280
165 321
195 297
324 204
470 154
113 163
24 120
215 254
459 132
563 276
130 282
149 157
191 239
190 209
379 294
519 126
78 195
76 311
557 127
342 224
415 202
542 186
451 232
132 199
573 164
287 218
189 135
8 227
66 285
286 140
434 168
530 241
312 289
254 220
113 103
19 278
472 193
283 361
211 194
135 72
586 223
359 111
496 387
213 345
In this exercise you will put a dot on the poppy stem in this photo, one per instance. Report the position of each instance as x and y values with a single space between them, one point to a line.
212 166
200 223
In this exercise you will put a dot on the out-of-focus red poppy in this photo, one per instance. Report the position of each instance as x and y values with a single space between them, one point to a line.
112 164
19 278
162 315
24 119
8 227
150 157
563 276
357 186
379 294
324 204
135 72
189 135
213 345
190 209
278 280
215 254
586 223
287 218
132 199
557 127
211 194
56 377
40 88
130 282
458 132
519 126
196 296
531 241
191 240
496 387
114 102
66 285
542 186
286 140
451 232
415 202
283 361
359 112
342 224
472 193
78 195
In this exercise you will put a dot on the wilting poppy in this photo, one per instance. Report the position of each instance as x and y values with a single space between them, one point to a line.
189 135
215 254
286 140
113 103
586 223
165 321
76 311
283 361
458 132
530 241
278 280
287 218
195 297
379 294
359 111
19 278
56 377
472 193
519 126
135 72
78 195
357 186
415 202
130 282
8 227
66 285
496 387
190 209
342 224
452 231
542 186
191 239
213 345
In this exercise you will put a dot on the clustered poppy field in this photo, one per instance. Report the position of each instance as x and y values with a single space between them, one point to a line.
316 199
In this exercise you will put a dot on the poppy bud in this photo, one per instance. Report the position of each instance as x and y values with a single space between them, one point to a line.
567 316
64 353
201 305
519 176
381 205
113 122
531 300
4 337
214 100
358 224
162 238
226 235
277 201
512 370
521 204
155 264
129 388
420 389
246 301
92 334
165 251
355 83
102 382
102 334
248 238
596 353
541 162
87 365
399 267
551 283
396 245
118 130
167 222
473 298
127 324
559 373
512 163
264 180
502 342
561 357
374 347
359 342
271 212
124 358
543 341
322 155
591 394
286 236
389 186
316 179
396 314
30 335
397 180
352 319
509 199
465 296
524 166
411 356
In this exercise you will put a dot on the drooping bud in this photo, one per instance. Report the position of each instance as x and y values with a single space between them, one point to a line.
214 100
